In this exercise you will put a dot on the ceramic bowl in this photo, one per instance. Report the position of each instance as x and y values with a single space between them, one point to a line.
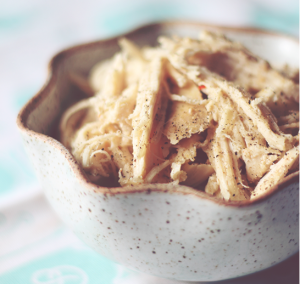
169 231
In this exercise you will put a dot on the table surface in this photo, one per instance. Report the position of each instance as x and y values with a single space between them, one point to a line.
35 247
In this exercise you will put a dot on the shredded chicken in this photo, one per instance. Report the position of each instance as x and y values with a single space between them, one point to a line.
204 113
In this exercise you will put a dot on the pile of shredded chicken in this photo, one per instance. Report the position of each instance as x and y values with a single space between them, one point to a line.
203 113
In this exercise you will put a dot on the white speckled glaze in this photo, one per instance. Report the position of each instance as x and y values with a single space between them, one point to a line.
172 232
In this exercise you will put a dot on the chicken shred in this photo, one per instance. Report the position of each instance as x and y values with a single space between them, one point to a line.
205 113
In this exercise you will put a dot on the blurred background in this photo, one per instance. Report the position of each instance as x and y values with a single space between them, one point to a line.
34 245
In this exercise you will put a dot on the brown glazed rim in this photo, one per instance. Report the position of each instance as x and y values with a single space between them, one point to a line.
78 171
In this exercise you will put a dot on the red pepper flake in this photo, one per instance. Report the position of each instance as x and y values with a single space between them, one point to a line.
201 87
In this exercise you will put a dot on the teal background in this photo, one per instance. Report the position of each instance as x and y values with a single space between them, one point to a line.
97 268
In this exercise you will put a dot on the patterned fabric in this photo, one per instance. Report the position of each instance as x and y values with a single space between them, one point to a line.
35 247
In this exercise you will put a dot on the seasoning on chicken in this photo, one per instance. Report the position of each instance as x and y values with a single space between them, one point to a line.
204 113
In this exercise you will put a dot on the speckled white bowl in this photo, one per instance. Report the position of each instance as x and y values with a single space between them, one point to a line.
167 231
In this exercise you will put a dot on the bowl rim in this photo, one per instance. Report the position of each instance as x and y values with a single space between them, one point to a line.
79 173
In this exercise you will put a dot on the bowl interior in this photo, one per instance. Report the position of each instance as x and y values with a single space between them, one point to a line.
40 116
